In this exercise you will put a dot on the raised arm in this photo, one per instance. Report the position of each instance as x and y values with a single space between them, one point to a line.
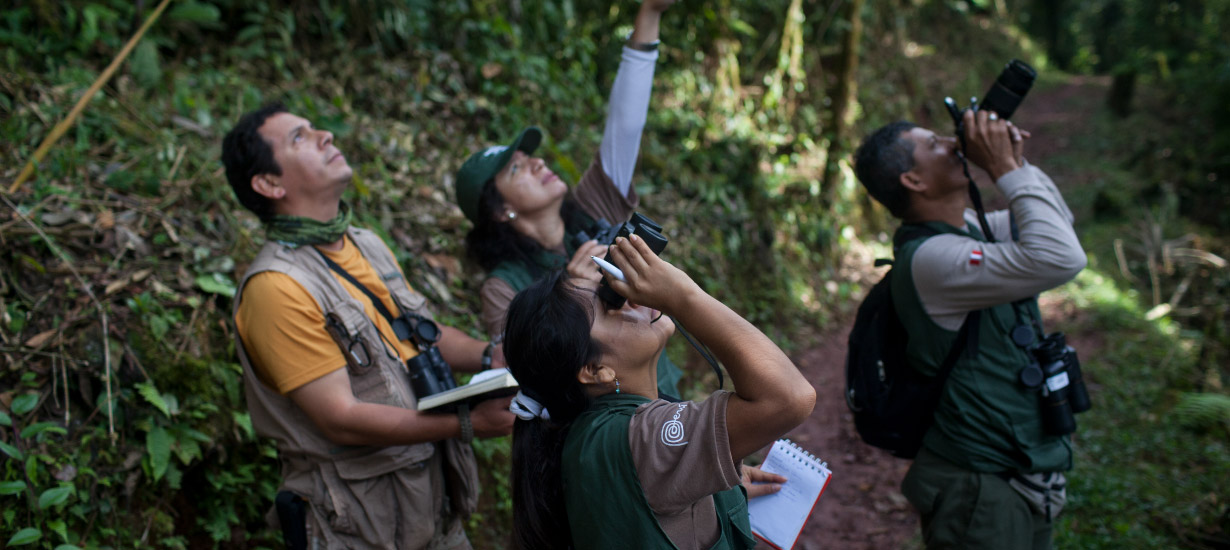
629 102
771 395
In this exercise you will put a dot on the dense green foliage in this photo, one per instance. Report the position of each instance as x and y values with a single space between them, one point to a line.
133 204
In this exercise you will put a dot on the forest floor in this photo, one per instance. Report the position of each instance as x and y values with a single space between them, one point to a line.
862 507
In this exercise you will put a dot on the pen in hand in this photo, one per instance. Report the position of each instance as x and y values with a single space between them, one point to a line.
609 268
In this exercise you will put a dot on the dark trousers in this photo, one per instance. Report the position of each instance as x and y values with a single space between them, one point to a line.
967 510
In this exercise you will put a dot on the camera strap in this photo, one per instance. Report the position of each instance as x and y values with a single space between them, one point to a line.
703 350
401 327
975 196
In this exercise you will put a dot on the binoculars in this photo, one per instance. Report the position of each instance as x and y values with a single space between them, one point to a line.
641 226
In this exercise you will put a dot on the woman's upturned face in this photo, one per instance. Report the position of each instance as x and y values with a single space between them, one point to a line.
528 186
629 334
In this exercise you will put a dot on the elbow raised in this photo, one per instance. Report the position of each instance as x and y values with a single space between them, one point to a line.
802 401
1072 263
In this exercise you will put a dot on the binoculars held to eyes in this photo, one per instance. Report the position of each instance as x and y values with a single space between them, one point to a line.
604 233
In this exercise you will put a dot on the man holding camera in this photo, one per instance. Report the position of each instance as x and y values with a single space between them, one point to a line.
326 322
989 474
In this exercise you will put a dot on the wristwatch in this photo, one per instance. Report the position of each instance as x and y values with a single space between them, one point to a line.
487 351
467 427
643 46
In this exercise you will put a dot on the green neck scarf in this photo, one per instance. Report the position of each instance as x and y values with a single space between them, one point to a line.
296 231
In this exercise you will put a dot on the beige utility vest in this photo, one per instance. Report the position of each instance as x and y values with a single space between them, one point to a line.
312 466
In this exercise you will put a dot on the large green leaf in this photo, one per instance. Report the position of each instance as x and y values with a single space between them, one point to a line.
59 527
5 419
54 497
25 536
216 283
24 403
11 451
158 445
195 12
40 427
12 487
151 394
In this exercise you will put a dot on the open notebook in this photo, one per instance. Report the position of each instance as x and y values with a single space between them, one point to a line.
484 385
778 518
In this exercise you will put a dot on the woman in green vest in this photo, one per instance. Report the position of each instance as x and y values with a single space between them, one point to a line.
528 223
598 461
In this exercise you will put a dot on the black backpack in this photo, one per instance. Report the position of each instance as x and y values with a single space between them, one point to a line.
893 403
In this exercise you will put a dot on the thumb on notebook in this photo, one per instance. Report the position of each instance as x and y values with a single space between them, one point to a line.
759 482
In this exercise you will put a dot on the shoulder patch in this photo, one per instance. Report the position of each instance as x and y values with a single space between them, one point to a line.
975 257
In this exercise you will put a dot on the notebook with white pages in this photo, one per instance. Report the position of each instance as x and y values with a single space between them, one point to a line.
778 518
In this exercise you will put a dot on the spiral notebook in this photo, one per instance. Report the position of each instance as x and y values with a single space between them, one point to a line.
778 518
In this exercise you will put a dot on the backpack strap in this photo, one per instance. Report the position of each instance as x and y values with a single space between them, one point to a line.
966 343
967 335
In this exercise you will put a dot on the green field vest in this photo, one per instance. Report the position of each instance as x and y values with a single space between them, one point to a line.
609 509
987 421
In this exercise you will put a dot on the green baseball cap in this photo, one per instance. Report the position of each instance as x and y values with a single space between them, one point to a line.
485 164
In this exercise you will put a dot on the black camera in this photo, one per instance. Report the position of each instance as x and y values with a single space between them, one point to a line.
1003 98
641 226
429 372
1062 386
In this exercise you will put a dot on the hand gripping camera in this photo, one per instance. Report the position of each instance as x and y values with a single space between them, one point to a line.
1003 98
641 226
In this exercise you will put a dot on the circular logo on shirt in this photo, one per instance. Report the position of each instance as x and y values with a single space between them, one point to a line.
672 430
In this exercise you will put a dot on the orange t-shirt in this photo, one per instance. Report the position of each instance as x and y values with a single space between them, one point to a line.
283 328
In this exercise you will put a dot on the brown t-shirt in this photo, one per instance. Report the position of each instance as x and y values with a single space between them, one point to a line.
682 456
597 195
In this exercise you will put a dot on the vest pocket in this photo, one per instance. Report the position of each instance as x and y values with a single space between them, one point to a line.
740 530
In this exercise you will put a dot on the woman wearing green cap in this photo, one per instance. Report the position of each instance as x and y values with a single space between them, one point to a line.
527 222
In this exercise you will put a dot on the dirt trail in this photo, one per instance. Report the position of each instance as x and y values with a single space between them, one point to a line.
863 508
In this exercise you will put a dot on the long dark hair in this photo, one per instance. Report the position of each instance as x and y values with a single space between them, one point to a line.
492 242
547 342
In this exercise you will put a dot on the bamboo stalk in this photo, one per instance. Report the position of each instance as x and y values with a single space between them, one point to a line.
68 121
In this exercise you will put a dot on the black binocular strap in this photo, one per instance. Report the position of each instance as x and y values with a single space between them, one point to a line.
704 352
975 195
376 302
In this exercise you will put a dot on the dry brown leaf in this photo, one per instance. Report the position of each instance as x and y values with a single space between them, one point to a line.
115 286
41 338
492 70
450 264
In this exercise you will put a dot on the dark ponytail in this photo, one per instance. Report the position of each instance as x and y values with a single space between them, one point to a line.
547 342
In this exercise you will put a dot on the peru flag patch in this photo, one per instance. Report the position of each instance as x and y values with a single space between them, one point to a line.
975 257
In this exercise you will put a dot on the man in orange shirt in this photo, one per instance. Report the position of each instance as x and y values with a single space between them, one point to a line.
322 317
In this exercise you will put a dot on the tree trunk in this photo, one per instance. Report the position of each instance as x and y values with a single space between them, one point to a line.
1122 88
843 98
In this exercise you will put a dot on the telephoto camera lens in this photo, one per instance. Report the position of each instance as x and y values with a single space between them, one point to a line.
1009 89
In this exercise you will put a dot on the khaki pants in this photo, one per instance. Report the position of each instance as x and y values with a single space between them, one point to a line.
967 510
